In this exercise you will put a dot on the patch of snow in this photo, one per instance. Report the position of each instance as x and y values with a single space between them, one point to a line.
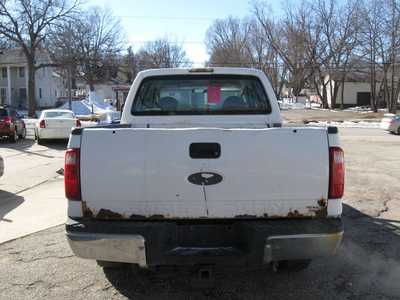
78 107
88 123
348 124
365 109
86 107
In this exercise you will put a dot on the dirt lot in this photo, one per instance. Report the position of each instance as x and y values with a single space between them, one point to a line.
300 115
366 267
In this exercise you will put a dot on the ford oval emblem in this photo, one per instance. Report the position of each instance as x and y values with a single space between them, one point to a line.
205 178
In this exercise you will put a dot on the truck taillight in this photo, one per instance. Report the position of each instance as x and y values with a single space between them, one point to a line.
42 124
72 175
78 123
336 175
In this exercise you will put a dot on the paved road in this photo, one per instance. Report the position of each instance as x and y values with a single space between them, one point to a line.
366 267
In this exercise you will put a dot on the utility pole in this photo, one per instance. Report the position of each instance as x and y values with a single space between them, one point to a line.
70 87
392 100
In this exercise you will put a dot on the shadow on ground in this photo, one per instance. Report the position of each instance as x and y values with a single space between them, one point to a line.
19 145
26 145
55 144
367 266
8 202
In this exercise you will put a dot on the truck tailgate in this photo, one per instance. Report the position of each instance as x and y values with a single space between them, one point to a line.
152 173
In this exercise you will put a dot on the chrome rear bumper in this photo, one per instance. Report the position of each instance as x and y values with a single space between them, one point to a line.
109 247
301 246
131 248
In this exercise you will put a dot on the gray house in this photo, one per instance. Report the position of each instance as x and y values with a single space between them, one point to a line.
14 80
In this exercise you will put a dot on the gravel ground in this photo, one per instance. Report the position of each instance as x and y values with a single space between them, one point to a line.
309 115
366 267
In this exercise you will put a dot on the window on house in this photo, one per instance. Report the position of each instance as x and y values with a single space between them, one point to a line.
40 93
22 93
3 95
21 72
22 98
4 72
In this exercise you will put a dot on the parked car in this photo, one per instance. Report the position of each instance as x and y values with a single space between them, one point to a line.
391 123
200 172
1 166
55 124
12 125
110 117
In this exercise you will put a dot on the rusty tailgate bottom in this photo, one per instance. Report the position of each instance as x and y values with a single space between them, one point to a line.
220 242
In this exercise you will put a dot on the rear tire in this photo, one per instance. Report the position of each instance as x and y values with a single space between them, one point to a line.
398 131
13 137
291 265
39 141
23 134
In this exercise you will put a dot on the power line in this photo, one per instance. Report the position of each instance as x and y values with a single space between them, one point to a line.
202 19
169 42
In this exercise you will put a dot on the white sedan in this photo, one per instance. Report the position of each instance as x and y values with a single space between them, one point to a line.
391 123
55 124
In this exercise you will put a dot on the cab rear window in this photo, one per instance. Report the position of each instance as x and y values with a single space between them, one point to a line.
192 95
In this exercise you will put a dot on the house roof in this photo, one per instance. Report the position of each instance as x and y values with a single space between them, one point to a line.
15 56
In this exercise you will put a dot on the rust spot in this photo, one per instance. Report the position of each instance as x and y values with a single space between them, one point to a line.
157 217
108 215
294 214
322 202
137 217
86 211
321 213
322 210
245 217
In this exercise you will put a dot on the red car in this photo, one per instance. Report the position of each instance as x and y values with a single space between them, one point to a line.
11 124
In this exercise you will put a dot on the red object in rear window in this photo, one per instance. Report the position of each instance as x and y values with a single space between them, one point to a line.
214 94
42 124
78 123
72 179
336 175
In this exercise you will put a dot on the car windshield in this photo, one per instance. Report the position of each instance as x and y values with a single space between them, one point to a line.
58 114
176 95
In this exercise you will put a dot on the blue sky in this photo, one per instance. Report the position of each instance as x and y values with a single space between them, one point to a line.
184 21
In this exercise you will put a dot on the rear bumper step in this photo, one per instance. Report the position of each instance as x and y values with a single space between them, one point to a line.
238 243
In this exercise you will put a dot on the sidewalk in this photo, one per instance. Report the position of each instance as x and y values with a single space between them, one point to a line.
37 209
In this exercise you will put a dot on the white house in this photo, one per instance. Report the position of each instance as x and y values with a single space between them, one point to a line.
14 80
357 90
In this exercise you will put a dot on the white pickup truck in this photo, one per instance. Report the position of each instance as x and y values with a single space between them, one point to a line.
201 172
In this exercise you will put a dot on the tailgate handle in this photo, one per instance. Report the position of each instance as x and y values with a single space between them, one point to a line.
205 150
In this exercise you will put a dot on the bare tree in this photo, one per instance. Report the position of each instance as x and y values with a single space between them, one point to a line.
227 41
130 65
99 41
288 39
161 53
374 46
62 47
25 23
337 27
264 57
